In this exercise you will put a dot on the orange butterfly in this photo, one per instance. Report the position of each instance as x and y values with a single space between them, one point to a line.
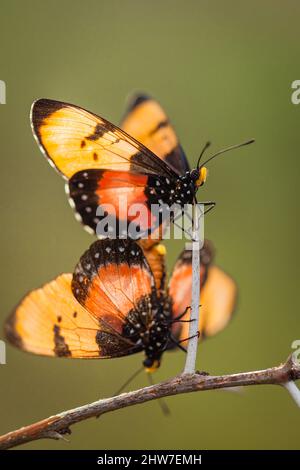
115 305
101 162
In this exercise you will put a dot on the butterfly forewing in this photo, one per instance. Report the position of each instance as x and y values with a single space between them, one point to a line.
75 139
111 277
49 321
147 122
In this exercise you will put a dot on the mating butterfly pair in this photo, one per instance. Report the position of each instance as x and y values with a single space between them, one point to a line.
116 302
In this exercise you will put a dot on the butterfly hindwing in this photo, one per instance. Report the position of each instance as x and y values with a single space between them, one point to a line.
114 282
218 293
125 200
147 122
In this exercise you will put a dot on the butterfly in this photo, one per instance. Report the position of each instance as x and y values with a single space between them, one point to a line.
109 170
115 305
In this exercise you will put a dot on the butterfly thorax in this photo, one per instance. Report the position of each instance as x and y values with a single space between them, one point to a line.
162 190
148 327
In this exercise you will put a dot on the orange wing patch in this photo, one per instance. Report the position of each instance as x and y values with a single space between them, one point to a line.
147 122
116 187
111 279
50 321
74 140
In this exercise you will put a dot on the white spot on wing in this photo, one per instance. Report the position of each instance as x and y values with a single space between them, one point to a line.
67 189
72 203
88 229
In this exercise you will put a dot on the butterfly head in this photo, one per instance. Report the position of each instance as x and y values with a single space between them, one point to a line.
198 176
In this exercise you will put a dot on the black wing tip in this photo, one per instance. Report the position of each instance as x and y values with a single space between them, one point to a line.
10 331
41 109
136 99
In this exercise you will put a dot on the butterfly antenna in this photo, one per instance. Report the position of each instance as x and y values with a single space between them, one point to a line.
131 378
202 152
164 407
232 147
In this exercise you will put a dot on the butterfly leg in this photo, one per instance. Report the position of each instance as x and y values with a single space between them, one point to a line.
183 230
173 340
211 205
183 313
178 318
190 337
181 215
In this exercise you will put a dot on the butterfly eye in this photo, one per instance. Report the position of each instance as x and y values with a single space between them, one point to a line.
195 174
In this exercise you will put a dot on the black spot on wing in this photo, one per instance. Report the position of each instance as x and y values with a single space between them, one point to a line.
61 349
99 131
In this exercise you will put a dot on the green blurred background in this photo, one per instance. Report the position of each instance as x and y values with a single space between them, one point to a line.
223 71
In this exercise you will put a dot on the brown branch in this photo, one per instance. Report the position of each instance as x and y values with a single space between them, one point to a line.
56 427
